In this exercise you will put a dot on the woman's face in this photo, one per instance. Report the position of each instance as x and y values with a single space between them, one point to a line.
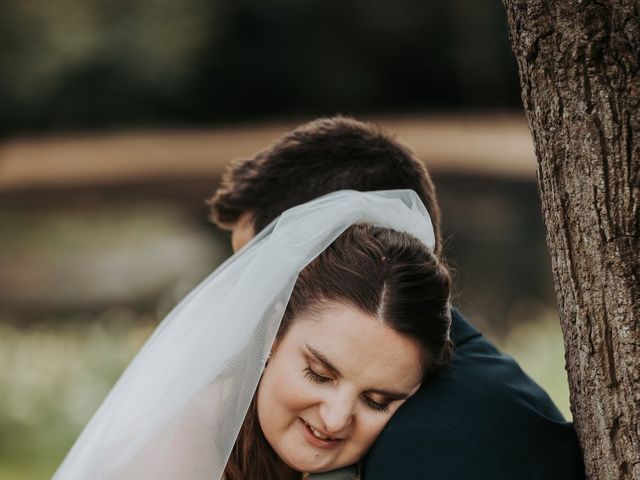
333 381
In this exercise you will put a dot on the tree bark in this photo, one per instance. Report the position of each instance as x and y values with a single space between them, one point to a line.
579 64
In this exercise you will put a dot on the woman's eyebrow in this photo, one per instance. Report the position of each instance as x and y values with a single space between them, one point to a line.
390 394
322 359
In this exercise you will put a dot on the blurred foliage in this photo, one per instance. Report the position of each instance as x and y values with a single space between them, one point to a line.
98 63
72 63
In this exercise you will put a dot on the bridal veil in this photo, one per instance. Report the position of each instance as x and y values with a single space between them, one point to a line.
177 409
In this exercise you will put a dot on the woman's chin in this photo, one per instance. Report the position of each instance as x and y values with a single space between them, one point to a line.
303 464
307 461
310 462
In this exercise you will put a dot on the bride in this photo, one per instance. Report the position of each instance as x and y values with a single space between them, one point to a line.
290 358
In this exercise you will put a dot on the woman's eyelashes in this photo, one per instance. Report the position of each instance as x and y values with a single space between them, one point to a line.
315 377
372 404
378 407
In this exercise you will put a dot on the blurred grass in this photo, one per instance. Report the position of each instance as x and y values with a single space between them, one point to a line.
52 379
24 471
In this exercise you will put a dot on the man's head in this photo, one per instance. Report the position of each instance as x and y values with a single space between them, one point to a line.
317 158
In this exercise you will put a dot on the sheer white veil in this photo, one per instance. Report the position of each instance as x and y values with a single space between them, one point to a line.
177 409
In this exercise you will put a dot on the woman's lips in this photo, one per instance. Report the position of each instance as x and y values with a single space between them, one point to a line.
313 439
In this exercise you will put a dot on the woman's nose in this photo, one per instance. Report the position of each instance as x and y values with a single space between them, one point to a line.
337 413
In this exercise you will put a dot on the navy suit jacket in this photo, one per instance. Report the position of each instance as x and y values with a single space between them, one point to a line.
481 417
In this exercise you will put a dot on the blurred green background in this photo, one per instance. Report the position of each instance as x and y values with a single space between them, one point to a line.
117 119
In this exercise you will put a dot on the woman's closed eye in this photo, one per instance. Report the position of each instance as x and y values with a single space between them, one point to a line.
377 406
315 377
368 401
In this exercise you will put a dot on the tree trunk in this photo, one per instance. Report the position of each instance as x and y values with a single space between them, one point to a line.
579 63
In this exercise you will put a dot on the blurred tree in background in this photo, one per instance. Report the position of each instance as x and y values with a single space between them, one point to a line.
98 63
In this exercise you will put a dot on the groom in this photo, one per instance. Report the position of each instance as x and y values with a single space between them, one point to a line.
479 418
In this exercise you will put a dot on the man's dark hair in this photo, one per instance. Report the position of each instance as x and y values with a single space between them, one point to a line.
317 158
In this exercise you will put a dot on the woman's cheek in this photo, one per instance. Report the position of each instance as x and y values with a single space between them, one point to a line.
289 388
298 392
374 422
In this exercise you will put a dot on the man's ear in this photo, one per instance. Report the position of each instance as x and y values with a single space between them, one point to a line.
242 231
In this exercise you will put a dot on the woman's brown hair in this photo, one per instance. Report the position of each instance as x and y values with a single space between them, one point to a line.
387 274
